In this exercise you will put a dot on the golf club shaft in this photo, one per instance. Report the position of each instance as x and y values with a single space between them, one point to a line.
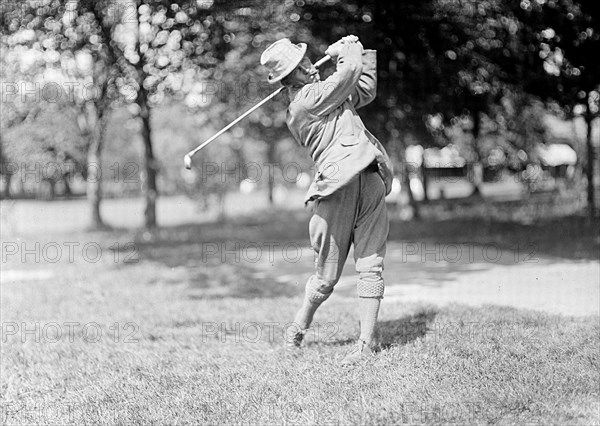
244 115
237 120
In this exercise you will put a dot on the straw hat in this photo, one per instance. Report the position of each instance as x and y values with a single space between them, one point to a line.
281 58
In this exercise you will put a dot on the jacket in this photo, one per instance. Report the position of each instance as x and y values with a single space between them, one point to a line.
322 117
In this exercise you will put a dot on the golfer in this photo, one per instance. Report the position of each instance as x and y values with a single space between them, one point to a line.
353 175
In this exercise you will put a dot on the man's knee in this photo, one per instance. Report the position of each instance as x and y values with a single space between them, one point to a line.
370 284
319 290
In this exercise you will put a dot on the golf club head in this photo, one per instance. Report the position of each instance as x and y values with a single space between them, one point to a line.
187 160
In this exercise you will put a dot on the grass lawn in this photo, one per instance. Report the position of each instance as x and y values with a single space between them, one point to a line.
166 339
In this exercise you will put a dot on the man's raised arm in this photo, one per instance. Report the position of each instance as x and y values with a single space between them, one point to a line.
366 88
324 97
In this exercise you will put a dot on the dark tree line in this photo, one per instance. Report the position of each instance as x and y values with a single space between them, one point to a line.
458 61
463 57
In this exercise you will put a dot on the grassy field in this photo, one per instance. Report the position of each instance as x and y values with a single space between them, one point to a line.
128 327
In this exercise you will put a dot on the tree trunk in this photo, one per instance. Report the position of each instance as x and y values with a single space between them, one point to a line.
7 174
68 191
270 168
405 172
7 180
475 175
94 180
425 180
51 193
589 171
96 123
414 204
149 187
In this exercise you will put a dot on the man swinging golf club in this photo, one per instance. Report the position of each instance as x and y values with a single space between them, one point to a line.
353 175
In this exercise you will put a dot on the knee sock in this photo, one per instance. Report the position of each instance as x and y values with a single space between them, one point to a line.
370 288
368 308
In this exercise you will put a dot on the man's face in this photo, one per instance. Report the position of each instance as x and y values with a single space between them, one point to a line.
305 73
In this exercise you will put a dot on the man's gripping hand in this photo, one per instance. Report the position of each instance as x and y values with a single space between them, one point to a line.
335 49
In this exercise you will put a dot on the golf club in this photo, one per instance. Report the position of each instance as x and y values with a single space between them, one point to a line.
187 160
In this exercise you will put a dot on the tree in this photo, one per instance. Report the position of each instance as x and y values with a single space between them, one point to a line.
435 59
146 46
71 43
239 82
565 34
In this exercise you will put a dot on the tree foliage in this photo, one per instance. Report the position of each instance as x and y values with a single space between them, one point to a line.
446 69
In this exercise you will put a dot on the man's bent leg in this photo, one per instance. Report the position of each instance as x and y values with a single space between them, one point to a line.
331 235
313 297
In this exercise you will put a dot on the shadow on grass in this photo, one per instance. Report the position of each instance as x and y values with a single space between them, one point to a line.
207 252
393 332
570 237
235 282
328 343
404 330
220 259
200 243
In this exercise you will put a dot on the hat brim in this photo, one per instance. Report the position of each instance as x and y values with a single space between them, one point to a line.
292 67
